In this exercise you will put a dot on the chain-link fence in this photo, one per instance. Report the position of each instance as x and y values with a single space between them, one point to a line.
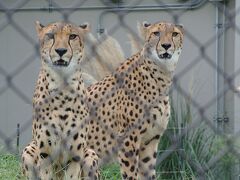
201 141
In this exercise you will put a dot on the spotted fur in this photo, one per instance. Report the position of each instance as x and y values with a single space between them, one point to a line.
60 115
130 109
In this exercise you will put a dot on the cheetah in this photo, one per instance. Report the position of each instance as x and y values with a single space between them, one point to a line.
130 109
60 115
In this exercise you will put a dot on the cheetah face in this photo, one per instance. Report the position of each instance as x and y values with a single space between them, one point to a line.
163 43
61 45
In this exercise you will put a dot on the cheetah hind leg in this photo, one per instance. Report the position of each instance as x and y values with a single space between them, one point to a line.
46 167
129 157
29 160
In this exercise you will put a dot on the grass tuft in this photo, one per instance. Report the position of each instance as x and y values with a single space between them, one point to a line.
9 167
111 171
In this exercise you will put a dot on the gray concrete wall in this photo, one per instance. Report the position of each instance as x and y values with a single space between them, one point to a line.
198 80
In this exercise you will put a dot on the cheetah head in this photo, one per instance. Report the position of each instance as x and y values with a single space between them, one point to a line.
61 44
163 43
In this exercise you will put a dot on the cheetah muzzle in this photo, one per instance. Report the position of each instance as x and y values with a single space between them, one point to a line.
61 63
165 56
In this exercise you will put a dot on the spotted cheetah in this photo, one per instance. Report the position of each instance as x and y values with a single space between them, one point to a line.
130 109
58 149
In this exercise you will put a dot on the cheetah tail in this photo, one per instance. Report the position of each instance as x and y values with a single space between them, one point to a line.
103 56
136 40
135 43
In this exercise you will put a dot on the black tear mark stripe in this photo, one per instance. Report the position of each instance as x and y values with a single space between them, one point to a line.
157 45
71 49
173 43
51 48
80 43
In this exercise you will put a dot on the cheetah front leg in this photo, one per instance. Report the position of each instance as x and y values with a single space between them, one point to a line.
129 157
83 166
47 154
147 158
90 165
148 147
45 166
29 160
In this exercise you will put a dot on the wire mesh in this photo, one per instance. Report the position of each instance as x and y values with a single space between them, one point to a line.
194 141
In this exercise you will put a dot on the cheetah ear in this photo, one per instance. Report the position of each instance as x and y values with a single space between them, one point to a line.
39 27
85 27
143 28
180 27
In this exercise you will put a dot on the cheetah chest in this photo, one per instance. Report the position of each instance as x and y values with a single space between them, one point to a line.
157 124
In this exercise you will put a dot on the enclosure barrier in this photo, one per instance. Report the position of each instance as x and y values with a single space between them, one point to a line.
190 148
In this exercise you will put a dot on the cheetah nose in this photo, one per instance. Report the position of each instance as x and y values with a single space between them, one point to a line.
61 51
166 46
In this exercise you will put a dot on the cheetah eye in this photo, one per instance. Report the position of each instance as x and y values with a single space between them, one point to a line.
174 34
50 35
72 36
156 33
